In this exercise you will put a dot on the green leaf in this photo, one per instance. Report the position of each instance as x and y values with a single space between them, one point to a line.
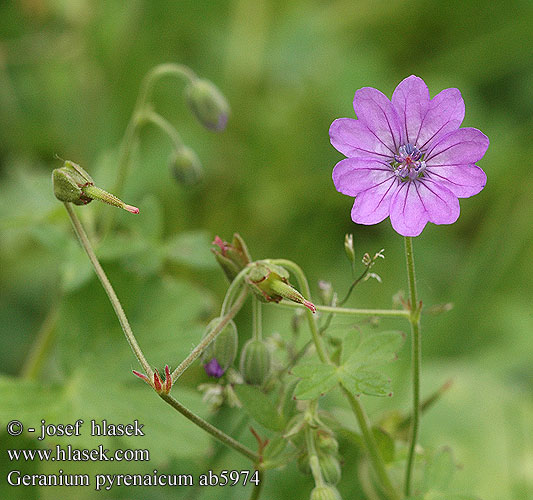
191 249
317 379
259 406
439 471
365 382
376 349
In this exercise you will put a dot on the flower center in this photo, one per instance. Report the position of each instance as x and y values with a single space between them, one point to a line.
408 164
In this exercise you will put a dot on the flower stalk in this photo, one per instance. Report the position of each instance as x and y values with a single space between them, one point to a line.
115 302
414 319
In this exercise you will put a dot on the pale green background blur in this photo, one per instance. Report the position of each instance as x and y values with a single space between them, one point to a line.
69 75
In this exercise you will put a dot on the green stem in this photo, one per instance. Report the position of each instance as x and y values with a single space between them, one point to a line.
257 327
206 426
347 311
304 286
130 136
256 493
85 243
414 318
232 290
163 124
371 445
43 341
201 347
375 457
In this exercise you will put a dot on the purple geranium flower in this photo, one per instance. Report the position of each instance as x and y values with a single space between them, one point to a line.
407 158
213 369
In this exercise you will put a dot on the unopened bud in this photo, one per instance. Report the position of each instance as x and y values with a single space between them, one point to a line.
325 492
208 104
331 469
232 257
72 184
221 353
270 283
348 248
186 167
326 443
255 362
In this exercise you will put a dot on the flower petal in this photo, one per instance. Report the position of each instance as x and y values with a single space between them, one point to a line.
353 175
353 138
411 100
460 147
372 206
416 203
378 114
462 180
445 113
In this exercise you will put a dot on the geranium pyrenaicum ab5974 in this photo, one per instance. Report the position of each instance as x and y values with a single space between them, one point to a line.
407 157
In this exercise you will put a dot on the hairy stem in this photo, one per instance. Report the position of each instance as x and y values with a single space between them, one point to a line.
206 426
414 318
123 320
256 493
372 449
202 346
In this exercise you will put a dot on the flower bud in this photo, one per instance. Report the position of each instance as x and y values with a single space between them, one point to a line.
208 104
232 257
326 443
348 248
186 167
331 469
255 362
72 184
221 353
270 283
325 492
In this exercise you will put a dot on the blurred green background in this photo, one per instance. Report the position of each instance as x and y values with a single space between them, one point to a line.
70 71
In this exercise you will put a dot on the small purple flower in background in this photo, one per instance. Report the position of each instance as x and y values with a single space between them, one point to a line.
213 369
407 158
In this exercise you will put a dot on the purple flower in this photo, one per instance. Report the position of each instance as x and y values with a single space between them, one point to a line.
407 158
213 369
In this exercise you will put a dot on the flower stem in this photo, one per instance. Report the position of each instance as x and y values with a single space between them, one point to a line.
257 327
256 493
163 124
371 446
414 318
197 351
42 343
123 320
347 311
206 426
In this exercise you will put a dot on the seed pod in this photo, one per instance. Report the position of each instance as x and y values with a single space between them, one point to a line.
326 442
255 362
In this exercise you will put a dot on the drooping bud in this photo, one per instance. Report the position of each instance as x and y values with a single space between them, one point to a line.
325 492
348 248
255 362
221 353
208 104
232 257
271 284
186 167
73 184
